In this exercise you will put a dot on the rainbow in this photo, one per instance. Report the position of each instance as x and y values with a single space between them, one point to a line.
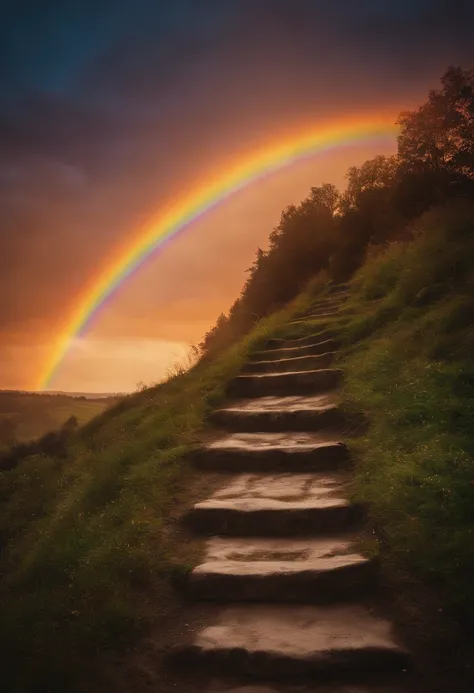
179 216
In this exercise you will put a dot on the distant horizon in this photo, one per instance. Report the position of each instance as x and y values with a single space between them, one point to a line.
71 393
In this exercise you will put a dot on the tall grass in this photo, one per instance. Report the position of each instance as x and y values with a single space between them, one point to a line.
412 374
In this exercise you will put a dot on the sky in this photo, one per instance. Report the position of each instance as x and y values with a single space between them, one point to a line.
109 110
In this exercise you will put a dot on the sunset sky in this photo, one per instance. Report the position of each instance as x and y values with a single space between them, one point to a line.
109 110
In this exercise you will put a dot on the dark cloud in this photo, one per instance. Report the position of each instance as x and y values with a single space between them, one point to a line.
108 108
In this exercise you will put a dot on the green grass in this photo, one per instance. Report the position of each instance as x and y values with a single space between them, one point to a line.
92 541
409 368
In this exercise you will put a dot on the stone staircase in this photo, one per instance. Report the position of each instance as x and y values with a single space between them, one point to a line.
291 599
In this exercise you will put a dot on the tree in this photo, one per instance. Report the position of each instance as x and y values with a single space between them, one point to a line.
435 161
8 426
299 246
71 425
367 209
369 182
326 196
440 134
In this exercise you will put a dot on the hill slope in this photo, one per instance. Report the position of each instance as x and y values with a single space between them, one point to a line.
92 542
27 415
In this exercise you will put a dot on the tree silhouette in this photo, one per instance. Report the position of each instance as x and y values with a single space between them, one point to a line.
8 426
440 134
435 161
70 425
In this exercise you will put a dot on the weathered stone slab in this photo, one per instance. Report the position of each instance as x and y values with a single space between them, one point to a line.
297 340
296 413
295 641
262 569
285 348
295 383
287 365
288 451
277 505
284 687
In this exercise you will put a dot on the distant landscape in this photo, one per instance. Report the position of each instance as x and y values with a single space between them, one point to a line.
25 416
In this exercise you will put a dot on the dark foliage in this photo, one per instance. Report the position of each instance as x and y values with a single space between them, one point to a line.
53 444
329 230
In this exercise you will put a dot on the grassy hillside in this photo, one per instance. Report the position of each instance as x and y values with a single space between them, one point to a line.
408 359
31 415
410 369
92 545
90 540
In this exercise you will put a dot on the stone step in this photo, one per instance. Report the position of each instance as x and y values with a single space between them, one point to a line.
326 316
318 315
331 299
339 289
247 452
287 365
220 686
298 340
324 305
296 383
299 327
311 348
326 319
277 505
318 309
266 414
281 570
294 641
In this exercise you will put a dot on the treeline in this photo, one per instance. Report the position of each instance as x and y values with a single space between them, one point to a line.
332 231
